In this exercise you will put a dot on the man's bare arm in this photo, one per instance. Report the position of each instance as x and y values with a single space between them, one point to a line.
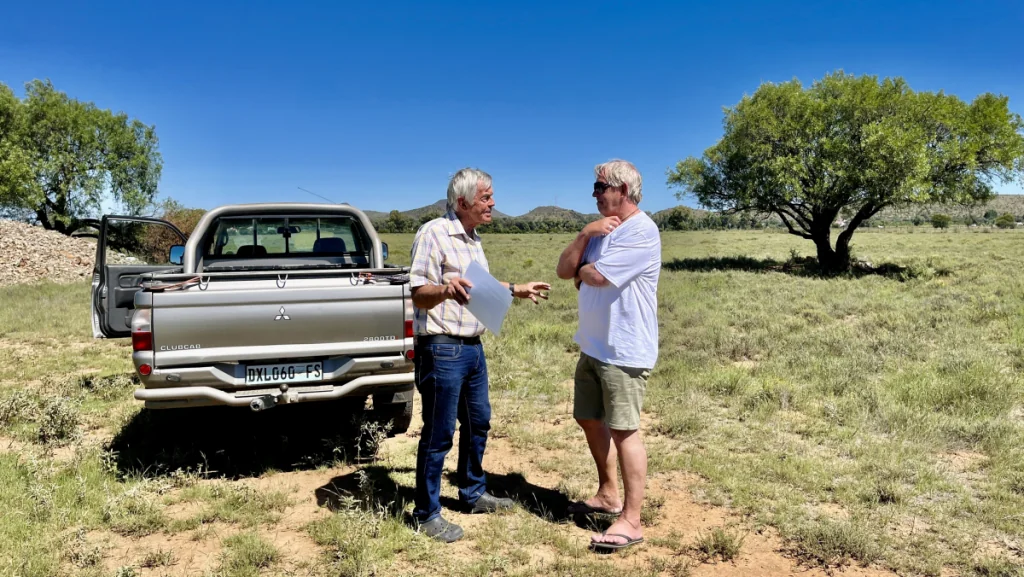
590 276
571 256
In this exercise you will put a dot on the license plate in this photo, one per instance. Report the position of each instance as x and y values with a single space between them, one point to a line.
299 373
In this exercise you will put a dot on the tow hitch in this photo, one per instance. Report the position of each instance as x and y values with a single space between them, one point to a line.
270 401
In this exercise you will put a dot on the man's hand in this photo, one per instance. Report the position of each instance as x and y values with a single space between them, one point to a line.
456 290
602 227
531 290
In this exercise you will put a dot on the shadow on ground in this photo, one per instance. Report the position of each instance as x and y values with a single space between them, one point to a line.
233 442
546 503
798 266
374 488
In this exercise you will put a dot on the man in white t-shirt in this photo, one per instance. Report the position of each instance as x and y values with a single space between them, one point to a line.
615 262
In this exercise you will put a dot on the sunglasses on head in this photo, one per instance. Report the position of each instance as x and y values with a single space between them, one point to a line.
600 187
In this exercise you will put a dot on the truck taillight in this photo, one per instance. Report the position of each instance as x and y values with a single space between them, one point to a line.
410 312
142 330
142 341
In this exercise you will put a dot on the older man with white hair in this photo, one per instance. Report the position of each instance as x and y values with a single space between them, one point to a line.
451 371
615 262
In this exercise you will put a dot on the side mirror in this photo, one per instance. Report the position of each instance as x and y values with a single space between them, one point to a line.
177 254
384 249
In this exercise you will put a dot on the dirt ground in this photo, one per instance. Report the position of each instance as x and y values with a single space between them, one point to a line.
681 520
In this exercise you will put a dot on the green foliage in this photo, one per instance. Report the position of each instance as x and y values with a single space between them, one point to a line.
396 222
59 421
180 216
830 542
429 216
686 218
1006 221
246 554
155 241
60 158
719 543
852 143
941 220
134 513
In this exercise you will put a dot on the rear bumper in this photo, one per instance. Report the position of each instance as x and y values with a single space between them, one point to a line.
400 384
225 384
339 368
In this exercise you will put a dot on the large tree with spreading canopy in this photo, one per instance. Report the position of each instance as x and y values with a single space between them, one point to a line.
853 144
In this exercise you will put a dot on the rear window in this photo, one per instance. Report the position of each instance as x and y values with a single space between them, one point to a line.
282 236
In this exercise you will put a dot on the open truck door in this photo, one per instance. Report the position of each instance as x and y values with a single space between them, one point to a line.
127 248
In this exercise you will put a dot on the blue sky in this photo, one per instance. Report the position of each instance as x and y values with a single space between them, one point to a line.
378 103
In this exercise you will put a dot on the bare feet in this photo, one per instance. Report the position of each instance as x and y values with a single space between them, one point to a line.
618 533
597 504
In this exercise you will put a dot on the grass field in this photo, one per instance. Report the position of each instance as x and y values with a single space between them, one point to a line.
794 424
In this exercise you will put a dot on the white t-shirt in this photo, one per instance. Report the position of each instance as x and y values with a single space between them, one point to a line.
618 323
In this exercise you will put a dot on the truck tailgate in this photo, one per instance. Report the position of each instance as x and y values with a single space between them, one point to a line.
239 320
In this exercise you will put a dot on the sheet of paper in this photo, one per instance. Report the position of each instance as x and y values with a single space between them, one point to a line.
489 300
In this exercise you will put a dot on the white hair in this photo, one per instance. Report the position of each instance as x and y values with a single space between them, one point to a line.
464 184
618 172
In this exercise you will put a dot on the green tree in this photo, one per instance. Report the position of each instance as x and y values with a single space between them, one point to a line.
60 158
397 222
429 216
856 143
991 214
680 218
1006 221
941 220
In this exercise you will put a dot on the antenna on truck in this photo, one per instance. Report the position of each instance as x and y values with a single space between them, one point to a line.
319 195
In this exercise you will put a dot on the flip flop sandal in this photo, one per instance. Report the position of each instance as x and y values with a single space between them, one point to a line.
597 545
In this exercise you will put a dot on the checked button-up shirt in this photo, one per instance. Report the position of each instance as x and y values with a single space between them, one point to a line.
441 250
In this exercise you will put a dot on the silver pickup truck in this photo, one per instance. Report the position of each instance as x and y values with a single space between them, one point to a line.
264 304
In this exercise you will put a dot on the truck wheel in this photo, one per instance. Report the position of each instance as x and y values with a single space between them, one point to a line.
400 415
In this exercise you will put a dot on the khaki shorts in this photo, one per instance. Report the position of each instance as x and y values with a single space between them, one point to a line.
609 393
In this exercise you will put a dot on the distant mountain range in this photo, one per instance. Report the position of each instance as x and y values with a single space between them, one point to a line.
1012 203
539 213
437 208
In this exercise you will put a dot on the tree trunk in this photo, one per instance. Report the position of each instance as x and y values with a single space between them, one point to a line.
832 260
44 219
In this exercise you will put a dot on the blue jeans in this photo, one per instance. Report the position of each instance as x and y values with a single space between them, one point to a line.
452 381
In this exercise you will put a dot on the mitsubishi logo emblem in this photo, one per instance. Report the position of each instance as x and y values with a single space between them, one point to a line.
282 317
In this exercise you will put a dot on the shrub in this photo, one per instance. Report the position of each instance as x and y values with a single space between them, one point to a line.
941 220
58 422
719 543
1006 221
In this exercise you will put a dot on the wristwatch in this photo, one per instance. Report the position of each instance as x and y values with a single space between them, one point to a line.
512 288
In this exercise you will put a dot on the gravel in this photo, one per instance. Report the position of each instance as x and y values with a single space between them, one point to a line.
31 254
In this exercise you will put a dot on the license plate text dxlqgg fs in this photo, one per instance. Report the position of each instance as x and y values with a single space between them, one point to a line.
284 373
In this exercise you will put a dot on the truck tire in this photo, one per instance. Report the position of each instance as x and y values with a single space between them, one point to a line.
400 415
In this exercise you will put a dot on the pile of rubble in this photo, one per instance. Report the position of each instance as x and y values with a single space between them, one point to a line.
30 253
